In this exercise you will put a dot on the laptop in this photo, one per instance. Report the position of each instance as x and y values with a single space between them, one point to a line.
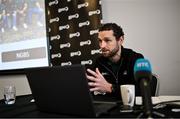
64 90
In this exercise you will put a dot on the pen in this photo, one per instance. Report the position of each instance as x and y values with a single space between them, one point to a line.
175 110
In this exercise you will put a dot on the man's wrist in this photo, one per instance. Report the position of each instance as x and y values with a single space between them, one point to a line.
111 88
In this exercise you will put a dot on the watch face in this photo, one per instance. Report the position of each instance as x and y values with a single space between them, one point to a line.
112 88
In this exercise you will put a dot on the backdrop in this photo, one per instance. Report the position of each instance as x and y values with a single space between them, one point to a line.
73 27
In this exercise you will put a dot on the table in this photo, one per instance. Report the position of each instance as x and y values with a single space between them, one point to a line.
25 108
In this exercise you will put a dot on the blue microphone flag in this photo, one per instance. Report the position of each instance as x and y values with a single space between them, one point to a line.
142 65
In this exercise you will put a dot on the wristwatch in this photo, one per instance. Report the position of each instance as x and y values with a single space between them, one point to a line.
113 88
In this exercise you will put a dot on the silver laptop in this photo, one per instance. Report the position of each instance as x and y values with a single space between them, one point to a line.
64 90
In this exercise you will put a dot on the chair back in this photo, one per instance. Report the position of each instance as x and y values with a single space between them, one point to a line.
154 85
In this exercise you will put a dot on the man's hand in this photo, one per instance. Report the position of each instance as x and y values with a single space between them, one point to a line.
98 82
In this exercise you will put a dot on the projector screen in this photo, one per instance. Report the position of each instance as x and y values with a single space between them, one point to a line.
23 35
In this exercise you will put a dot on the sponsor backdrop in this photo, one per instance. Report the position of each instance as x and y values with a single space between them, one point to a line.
73 27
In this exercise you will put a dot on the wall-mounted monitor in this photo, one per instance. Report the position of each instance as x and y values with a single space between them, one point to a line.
23 35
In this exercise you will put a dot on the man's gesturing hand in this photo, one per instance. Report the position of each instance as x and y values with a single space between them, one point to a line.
98 82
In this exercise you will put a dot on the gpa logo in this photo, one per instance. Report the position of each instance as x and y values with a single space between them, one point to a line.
48 12
67 45
82 43
55 2
66 63
86 23
92 32
56 19
94 12
125 72
55 37
105 73
76 34
63 9
73 16
93 52
101 21
86 62
50 47
77 53
64 27
49 29
58 55
86 4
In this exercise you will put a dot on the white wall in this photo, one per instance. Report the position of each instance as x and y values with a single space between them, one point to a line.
151 27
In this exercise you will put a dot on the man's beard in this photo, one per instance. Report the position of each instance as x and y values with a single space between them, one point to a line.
111 53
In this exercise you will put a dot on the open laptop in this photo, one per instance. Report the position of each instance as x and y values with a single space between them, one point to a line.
64 90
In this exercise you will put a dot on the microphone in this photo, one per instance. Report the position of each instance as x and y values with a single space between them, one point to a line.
143 75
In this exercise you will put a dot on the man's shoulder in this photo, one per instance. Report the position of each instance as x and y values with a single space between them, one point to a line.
131 53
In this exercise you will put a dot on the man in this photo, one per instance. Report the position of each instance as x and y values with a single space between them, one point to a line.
22 12
35 7
115 66
2 17
11 14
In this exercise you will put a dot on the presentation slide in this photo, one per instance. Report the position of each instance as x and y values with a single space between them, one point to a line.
23 38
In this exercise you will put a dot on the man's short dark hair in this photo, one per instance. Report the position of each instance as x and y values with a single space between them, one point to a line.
118 31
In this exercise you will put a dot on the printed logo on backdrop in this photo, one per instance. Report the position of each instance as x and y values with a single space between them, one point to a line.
73 28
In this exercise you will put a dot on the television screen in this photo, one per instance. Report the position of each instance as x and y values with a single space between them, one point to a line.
23 36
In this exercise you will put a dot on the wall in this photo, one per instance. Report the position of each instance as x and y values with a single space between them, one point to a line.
151 27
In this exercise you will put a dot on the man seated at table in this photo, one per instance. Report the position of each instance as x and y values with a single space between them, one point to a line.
115 66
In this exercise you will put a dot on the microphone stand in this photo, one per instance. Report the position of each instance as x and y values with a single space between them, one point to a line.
148 111
152 115
143 75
